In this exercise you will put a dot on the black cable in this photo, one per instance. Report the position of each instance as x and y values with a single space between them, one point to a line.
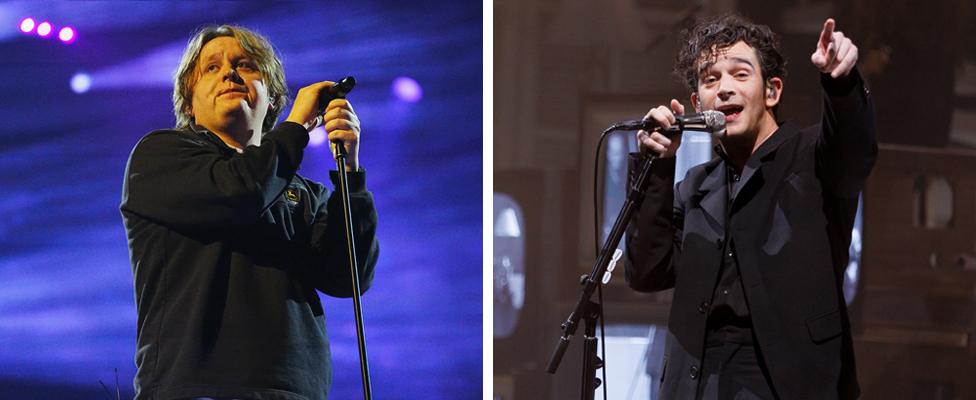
596 243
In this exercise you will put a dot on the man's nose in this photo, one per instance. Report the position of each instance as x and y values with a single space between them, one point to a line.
726 87
232 75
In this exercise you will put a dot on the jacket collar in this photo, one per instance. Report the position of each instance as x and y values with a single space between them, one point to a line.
713 190
767 150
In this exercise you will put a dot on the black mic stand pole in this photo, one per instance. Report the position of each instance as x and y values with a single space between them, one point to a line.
339 91
588 310
340 157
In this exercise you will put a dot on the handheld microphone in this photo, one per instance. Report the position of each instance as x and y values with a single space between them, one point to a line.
710 121
337 91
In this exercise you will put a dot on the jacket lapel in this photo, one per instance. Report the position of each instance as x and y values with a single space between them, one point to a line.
752 174
713 195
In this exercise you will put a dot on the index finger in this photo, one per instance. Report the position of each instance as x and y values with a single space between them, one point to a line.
677 107
260 94
827 33
260 89
339 102
322 84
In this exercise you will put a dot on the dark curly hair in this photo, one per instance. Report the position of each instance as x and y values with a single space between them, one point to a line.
708 36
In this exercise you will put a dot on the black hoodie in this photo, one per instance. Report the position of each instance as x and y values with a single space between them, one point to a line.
228 249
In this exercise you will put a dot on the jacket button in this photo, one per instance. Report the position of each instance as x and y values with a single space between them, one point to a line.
703 307
694 372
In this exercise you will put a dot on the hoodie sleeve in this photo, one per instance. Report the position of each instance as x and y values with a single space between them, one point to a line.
178 179
328 260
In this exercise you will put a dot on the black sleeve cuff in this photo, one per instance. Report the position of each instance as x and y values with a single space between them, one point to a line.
662 170
292 138
840 87
356 180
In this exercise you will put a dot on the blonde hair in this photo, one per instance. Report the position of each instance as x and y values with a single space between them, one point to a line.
256 47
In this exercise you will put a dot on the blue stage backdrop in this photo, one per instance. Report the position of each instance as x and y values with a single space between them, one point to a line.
72 112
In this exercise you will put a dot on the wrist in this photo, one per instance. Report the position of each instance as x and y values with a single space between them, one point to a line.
352 164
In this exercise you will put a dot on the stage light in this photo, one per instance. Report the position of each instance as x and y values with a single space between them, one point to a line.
407 89
80 82
27 25
67 34
44 29
317 136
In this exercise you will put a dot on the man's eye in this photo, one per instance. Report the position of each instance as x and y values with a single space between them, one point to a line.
708 79
246 65
212 68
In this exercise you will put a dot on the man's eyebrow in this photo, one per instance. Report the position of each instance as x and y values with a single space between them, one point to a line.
705 66
744 61
213 56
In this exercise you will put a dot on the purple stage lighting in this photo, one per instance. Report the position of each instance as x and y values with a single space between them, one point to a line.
27 25
67 34
80 82
44 29
316 137
407 89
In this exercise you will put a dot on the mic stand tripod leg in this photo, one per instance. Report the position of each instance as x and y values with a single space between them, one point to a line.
591 362
584 307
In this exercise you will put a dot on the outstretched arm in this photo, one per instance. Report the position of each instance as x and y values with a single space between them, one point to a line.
847 148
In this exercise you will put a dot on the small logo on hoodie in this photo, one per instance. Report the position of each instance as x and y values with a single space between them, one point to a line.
292 195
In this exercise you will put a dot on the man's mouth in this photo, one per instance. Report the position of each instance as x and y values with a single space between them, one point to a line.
731 111
233 91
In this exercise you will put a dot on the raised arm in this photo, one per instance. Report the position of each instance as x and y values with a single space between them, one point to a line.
177 178
847 147
654 234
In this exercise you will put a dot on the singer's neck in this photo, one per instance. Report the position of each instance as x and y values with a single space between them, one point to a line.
237 135
739 149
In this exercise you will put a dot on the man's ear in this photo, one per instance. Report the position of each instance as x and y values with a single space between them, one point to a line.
695 102
774 89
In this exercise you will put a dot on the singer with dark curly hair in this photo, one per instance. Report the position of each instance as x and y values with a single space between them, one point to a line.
755 242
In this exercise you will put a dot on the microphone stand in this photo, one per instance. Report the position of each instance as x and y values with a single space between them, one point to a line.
338 91
588 310
340 157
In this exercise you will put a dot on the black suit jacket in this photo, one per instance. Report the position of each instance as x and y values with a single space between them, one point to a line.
791 223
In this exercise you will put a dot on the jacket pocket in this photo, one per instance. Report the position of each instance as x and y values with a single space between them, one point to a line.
823 327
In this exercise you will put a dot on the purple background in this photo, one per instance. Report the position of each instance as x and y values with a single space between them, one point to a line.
67 312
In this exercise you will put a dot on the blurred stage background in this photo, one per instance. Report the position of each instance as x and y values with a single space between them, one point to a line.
72 112
566 69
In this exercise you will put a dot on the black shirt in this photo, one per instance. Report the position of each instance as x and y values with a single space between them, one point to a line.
729 319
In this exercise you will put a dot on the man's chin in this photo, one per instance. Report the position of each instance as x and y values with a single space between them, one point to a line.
732 133
232 112
733 136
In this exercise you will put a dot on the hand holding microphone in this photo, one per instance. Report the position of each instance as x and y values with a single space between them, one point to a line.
655 141
324 103
661 127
